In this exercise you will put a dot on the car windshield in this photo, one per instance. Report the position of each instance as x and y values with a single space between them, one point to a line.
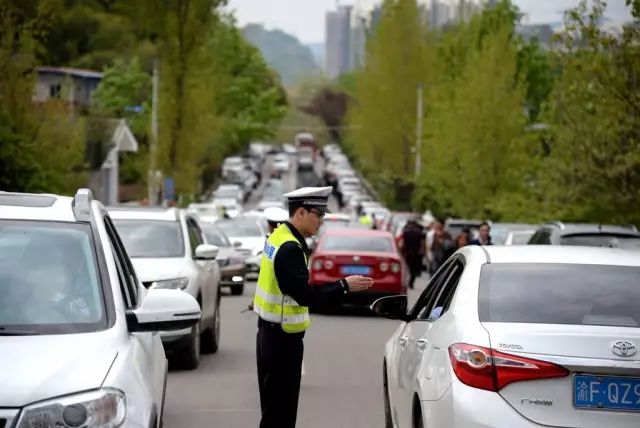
370 244
151 239
49 282
602 240
560 294
240 228
216 236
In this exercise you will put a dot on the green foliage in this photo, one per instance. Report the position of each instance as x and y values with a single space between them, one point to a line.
384 116
593 170
35 141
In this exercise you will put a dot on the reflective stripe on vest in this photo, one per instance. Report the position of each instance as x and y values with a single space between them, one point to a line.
269 302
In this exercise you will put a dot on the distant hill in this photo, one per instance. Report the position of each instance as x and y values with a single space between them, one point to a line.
317 49
284 53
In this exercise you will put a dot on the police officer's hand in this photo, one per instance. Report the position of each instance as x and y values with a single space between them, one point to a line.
358 283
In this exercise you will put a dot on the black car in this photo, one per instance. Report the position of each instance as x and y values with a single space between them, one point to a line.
590 235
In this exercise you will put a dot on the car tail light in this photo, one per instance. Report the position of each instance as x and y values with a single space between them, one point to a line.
395 267
328 264
317 264
491 370
384 266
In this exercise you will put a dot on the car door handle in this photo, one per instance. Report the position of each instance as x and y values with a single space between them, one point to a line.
421 344
404 340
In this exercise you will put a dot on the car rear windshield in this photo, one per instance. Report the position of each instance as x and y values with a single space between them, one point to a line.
151 239
374 244
602 240
49 282
560 294
216 236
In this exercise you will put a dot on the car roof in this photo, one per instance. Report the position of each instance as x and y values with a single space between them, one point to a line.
575 228
337 217
144 213
31 206
352 231
558 254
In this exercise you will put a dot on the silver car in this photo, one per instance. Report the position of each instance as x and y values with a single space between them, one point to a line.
518 337
169 251
77 341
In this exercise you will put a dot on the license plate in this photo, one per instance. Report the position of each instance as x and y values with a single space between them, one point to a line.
356 270
606 392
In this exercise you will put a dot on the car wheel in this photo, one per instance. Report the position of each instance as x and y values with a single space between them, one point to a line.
388 420
190 357
237 290
417 415
211 337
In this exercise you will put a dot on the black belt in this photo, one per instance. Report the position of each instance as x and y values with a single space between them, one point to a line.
272 326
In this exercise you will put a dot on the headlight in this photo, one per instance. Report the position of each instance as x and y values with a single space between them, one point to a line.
172 284
223 262
104 408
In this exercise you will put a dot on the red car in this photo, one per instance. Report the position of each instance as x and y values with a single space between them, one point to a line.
345 251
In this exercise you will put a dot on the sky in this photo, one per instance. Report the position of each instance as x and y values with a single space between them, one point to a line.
305 18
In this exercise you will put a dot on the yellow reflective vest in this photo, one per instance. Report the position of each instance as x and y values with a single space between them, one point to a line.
269 302
365 220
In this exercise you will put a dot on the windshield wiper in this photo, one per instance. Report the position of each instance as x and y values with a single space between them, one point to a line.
5 331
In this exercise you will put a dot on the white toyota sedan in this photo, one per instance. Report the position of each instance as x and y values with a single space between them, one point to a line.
515 337
77 341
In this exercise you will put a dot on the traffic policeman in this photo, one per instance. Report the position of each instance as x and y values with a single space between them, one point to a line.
275 217
282 298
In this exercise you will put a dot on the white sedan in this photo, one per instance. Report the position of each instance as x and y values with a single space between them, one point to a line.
518 337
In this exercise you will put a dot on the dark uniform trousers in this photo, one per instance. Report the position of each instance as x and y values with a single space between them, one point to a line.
279 357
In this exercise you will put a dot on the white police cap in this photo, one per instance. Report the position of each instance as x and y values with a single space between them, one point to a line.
310 197
276 215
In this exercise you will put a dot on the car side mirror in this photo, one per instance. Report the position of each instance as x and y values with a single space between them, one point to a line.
206 252
391 307
163 310
237 244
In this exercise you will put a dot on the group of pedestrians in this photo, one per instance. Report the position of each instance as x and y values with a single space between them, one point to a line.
428 247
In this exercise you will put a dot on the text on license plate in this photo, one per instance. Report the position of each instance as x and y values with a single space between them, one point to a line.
606 392
356 270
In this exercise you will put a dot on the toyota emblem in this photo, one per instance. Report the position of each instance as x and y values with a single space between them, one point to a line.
624 348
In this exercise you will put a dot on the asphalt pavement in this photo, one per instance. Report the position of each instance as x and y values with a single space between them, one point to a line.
342 386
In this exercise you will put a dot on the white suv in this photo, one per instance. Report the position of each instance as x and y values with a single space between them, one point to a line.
76 325
168 250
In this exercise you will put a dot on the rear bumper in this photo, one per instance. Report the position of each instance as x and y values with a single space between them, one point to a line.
464 407
232 275
386 286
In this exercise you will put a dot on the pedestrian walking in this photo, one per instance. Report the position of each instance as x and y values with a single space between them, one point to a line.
413 247
282 298
484 237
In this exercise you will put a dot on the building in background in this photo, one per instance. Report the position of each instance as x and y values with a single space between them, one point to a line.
338 46
74 85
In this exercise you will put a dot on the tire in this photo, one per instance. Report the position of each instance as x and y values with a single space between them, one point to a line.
237 290
211 337
417 416
189 358
388 419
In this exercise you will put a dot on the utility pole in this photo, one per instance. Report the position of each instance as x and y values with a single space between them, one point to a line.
419 119
152 180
